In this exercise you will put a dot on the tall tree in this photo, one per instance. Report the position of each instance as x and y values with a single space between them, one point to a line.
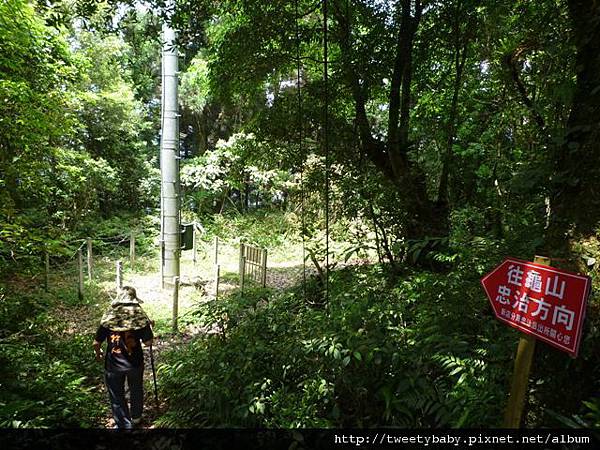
257 41
575 198
391 152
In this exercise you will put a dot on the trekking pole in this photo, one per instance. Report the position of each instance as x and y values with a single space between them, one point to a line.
152 362
154 376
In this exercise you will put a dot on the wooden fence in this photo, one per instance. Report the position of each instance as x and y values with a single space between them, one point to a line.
253 264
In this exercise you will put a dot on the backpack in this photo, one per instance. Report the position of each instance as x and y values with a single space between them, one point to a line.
129 340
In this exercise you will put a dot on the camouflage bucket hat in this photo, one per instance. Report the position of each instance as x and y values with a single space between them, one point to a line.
125 312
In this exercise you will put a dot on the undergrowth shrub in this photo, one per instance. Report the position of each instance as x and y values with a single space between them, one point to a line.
419 352
263 228
46 372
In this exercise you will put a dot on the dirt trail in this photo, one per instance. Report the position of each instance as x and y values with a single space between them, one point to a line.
197 286
157 304
152 409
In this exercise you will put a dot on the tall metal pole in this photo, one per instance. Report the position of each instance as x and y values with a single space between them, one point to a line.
169 160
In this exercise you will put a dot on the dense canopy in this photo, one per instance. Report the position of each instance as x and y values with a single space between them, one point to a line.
387 154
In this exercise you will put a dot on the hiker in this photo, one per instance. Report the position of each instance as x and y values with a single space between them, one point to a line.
123 326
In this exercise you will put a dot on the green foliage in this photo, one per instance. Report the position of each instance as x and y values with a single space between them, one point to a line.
34 124
375 356
490 95
113 122
496 137
82 182
44 367
263 228
195 88
233 166
112 236
71 133
420 350
45 388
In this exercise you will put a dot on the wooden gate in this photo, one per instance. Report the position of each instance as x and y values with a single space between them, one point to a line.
253 264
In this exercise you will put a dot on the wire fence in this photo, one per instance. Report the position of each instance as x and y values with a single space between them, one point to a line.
77 267
72 265
79 261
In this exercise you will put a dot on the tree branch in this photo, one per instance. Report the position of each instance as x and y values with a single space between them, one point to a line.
399 100
373 148
511 61
396 81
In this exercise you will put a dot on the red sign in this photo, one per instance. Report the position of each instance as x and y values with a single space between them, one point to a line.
543 301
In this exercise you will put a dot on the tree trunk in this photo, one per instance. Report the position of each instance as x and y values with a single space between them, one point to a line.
460 57
575 199
390 157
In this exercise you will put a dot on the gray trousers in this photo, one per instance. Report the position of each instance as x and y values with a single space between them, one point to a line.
115 384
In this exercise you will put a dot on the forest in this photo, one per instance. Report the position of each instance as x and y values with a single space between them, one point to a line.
385 154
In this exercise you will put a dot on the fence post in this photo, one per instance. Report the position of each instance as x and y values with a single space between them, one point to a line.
90 258
119 282
194 244
217 276
264 268
80 270
251 265
241 261
47 271
216 249
175 302
242 273
520 378
132 250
